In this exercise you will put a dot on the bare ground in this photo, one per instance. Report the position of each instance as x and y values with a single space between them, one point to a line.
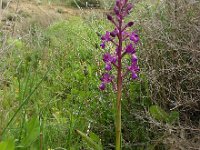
17 17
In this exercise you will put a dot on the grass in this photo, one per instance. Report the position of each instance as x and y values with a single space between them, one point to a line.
81 3
54 80
64 95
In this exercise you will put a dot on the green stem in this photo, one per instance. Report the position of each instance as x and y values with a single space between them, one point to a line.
118 113
119 91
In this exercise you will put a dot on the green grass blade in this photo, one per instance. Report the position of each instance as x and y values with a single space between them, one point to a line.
89 141
7 145
23 103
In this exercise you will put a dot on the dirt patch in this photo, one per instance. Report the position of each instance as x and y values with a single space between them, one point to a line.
19 16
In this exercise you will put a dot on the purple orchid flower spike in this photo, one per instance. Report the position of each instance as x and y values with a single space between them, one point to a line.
125 43
117 37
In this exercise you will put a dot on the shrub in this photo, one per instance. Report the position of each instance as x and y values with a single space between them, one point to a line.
170 57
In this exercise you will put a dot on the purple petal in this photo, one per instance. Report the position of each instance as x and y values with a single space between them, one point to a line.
114 33
118 3
107 57
106 78
134 67
134 37
117 49
114 59
124 33
130 49
103 45
134 58
106 37
116 10
129 7
108 67
137 69
122 2
102 86
134 76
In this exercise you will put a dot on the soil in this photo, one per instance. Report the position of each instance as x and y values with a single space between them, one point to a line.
18 16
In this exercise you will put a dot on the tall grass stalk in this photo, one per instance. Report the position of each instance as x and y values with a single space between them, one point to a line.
23 103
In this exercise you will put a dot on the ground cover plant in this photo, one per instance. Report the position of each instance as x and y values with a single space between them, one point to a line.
51 69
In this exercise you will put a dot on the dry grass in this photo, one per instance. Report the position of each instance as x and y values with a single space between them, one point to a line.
171 58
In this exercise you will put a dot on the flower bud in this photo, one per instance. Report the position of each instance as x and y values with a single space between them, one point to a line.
109 17
102 86
103 45
130 24
114 33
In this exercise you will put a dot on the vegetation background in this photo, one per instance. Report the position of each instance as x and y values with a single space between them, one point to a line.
50 65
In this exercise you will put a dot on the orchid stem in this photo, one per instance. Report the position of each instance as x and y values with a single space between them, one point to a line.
119 91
